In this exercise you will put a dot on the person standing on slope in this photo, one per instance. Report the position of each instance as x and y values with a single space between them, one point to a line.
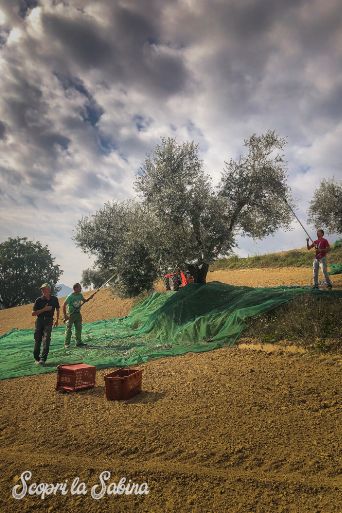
322 247
44 308
73 316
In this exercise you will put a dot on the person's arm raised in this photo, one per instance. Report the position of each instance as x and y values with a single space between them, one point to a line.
309 246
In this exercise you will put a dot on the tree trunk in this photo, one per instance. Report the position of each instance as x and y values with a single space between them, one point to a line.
199 272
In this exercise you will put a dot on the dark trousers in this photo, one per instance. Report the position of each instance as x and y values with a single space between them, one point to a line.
42 334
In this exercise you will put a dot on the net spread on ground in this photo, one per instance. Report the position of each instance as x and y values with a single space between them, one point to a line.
197 318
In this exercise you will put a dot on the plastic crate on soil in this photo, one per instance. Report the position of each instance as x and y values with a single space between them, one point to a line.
75 376
123 384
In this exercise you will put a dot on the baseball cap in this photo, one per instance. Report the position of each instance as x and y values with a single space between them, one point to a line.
45 285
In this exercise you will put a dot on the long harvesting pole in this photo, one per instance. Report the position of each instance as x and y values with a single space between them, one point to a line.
103 284
294 213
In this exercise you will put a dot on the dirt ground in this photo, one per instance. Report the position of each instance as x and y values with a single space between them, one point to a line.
228 431
248 429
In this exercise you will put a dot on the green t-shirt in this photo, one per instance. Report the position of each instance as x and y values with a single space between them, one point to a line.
74 302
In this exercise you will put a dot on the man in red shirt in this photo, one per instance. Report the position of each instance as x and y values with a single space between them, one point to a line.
322 247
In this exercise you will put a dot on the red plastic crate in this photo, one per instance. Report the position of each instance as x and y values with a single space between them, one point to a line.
75 376
123 384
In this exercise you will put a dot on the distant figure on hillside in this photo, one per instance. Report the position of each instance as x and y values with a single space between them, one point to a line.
322 247
72 315
44 308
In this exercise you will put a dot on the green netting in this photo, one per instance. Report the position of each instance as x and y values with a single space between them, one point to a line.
194 319
335 269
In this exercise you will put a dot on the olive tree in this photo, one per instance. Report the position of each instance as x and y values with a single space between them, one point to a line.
181 219
118 235
197 223
92 278
326 206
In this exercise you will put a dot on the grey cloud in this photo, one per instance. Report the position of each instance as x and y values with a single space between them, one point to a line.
135 27
17 8
90 111
168 70
316 33
25 6
90 183
3 37
82 38
141 122
2 130
126 53
9 176
24 99
39 180
131 71
50 140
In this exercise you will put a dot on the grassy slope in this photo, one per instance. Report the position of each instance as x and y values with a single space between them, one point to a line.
310 321
293 258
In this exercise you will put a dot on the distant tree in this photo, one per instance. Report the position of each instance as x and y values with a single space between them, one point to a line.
326 206
24 266
181 219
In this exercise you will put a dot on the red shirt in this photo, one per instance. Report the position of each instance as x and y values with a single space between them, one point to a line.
321 244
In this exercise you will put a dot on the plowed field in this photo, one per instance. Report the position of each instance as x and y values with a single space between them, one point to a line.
233 430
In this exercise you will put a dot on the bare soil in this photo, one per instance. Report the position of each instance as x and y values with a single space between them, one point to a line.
248 429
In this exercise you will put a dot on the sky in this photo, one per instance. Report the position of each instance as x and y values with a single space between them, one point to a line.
89 88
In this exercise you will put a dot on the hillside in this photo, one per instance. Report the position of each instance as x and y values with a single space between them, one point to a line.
293 258
106 306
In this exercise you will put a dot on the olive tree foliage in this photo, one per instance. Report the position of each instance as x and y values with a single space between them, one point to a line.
255 188
181 219
24 266
118 235
197 222
326 206
190 217
92 278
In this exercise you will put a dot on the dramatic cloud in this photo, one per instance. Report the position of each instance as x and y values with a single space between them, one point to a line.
88 88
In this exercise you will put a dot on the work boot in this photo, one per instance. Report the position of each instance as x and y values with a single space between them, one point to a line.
80 344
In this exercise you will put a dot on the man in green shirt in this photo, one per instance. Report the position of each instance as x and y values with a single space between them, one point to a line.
72 315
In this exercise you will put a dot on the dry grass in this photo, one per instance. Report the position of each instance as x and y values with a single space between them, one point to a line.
104 306
284 276
107 306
